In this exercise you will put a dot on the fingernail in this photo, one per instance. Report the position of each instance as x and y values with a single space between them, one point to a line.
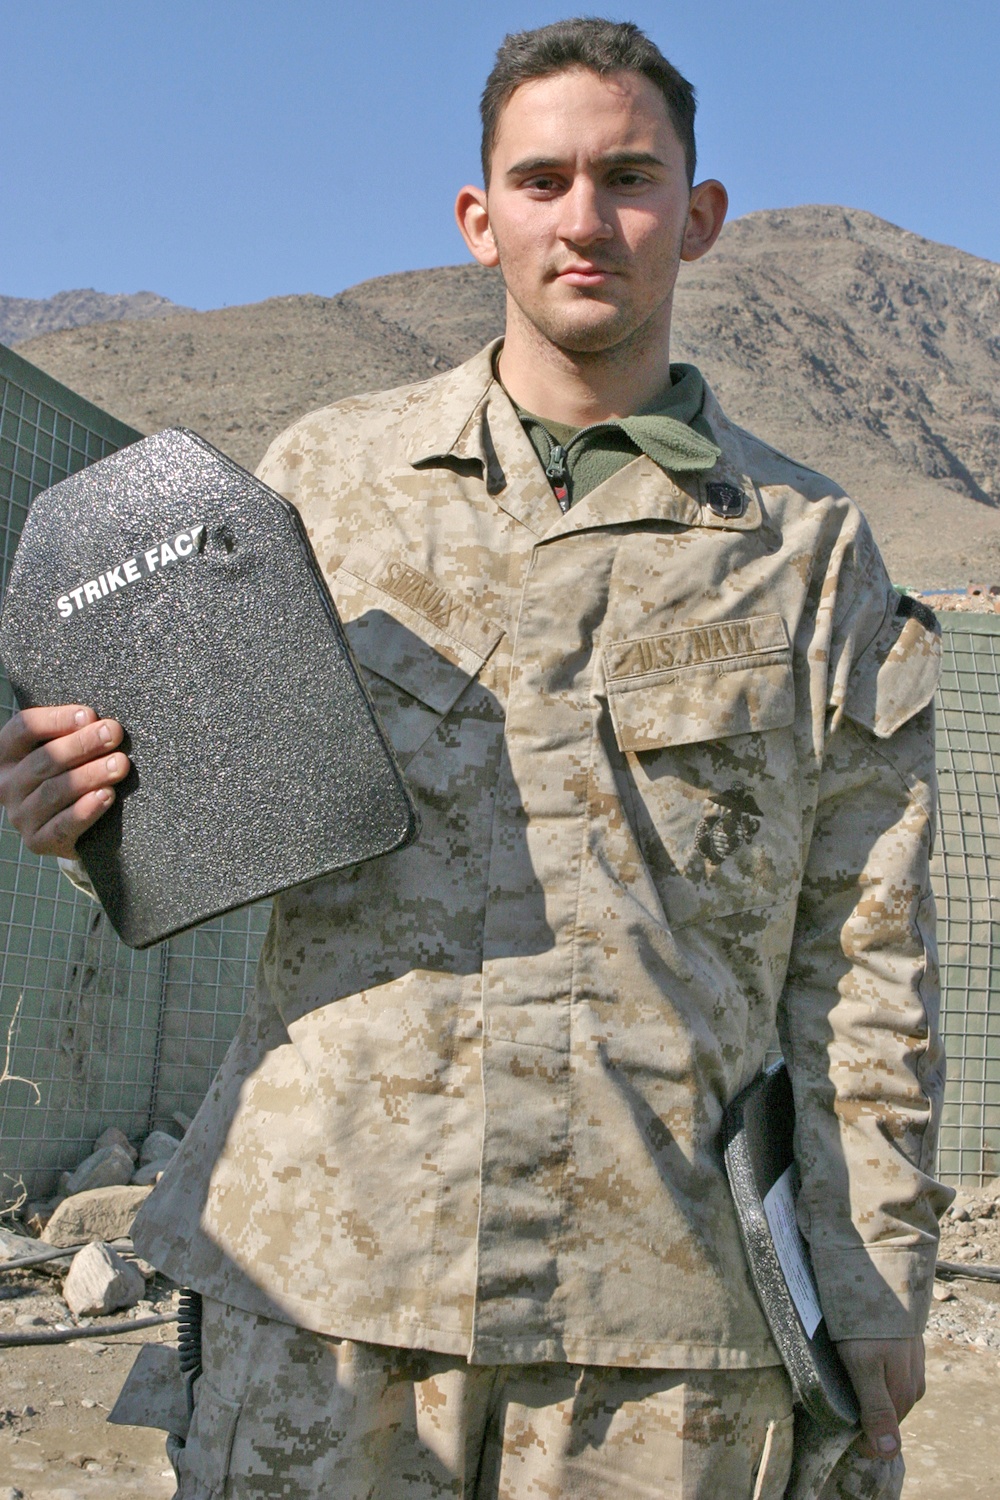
112 763
105 795
80 717
105 734
886 1444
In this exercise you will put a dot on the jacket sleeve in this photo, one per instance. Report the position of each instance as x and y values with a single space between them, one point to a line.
859 1016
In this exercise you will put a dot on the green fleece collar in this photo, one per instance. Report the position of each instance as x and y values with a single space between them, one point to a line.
578 459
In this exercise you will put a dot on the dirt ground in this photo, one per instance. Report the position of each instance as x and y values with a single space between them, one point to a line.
55 1443
950 1439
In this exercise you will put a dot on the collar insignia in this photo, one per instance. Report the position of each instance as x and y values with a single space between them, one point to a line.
726 500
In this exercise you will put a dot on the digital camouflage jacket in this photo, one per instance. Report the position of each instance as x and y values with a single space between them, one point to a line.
672 755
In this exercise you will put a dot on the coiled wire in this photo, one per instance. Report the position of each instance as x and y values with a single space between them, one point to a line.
189 1340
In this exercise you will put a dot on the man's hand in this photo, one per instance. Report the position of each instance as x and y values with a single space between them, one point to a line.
58 767
888 1377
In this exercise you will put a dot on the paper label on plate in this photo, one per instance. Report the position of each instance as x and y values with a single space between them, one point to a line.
792 1250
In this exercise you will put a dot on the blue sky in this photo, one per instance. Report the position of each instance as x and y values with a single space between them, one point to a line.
221 152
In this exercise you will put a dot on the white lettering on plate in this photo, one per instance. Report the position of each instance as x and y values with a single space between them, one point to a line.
792 1250
130 570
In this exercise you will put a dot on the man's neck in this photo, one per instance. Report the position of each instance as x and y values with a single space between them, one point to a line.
576 388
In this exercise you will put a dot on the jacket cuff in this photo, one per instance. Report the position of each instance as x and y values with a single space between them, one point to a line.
875 1292
74 871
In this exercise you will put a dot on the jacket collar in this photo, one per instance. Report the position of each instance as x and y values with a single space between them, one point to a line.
466 417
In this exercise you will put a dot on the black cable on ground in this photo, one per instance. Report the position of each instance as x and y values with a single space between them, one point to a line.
99 1331
949 1269
39 1257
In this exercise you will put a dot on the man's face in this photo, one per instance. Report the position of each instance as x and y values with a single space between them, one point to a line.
588 207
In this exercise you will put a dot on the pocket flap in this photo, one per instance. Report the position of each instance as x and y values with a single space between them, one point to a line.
898 673
408 628
209 1446
154 1394
704 683
384 645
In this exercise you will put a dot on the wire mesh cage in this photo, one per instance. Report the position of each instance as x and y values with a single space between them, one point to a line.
965 869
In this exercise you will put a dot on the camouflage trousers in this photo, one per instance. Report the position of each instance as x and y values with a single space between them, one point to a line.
282 1412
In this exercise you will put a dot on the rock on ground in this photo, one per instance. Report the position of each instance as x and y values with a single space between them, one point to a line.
111 1166
13 1246
149 1174
115 1137
966 1310
102 1214
100 1282
157 1146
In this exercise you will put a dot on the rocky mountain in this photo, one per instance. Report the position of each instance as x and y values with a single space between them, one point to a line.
872 354
30 317
863 349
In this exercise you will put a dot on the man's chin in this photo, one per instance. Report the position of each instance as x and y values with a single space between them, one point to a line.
597 336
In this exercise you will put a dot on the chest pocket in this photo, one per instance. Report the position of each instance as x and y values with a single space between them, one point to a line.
419 645
703 719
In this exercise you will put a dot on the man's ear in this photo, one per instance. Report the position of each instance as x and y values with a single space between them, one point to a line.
706 216
473 220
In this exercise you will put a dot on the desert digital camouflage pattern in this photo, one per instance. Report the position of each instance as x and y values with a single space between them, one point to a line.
279 1409
675 774
283 1412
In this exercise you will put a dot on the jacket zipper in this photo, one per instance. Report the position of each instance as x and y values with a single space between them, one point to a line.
557 468
557 473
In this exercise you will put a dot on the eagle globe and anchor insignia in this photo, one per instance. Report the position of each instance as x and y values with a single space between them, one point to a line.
729 820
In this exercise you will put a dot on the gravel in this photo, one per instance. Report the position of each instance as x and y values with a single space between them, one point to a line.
968 1311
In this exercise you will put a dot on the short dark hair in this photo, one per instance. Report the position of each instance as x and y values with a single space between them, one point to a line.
585 42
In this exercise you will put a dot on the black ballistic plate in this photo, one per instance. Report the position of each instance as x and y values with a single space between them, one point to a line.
167 588
757 1132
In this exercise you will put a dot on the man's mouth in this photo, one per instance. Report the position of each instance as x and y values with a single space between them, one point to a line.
585 275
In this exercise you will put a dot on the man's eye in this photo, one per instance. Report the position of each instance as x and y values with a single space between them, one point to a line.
630 179
542 184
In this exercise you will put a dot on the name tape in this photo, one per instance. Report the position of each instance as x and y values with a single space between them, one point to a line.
132 570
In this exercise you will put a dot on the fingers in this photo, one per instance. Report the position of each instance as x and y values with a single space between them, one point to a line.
58 768
62 807
30 726
64 753
879 1422
59 835
888 1378
904 1373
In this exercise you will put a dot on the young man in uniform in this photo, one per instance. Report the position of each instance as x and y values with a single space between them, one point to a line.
456 1203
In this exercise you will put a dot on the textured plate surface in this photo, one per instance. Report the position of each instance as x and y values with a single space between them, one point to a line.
758 1141
169 589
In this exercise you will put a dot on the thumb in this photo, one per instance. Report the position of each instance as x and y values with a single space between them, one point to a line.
878 1413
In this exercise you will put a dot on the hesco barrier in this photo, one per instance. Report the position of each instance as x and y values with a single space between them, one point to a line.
108 1036
102 1035
965 870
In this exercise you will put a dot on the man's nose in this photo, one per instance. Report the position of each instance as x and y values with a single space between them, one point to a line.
583 220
